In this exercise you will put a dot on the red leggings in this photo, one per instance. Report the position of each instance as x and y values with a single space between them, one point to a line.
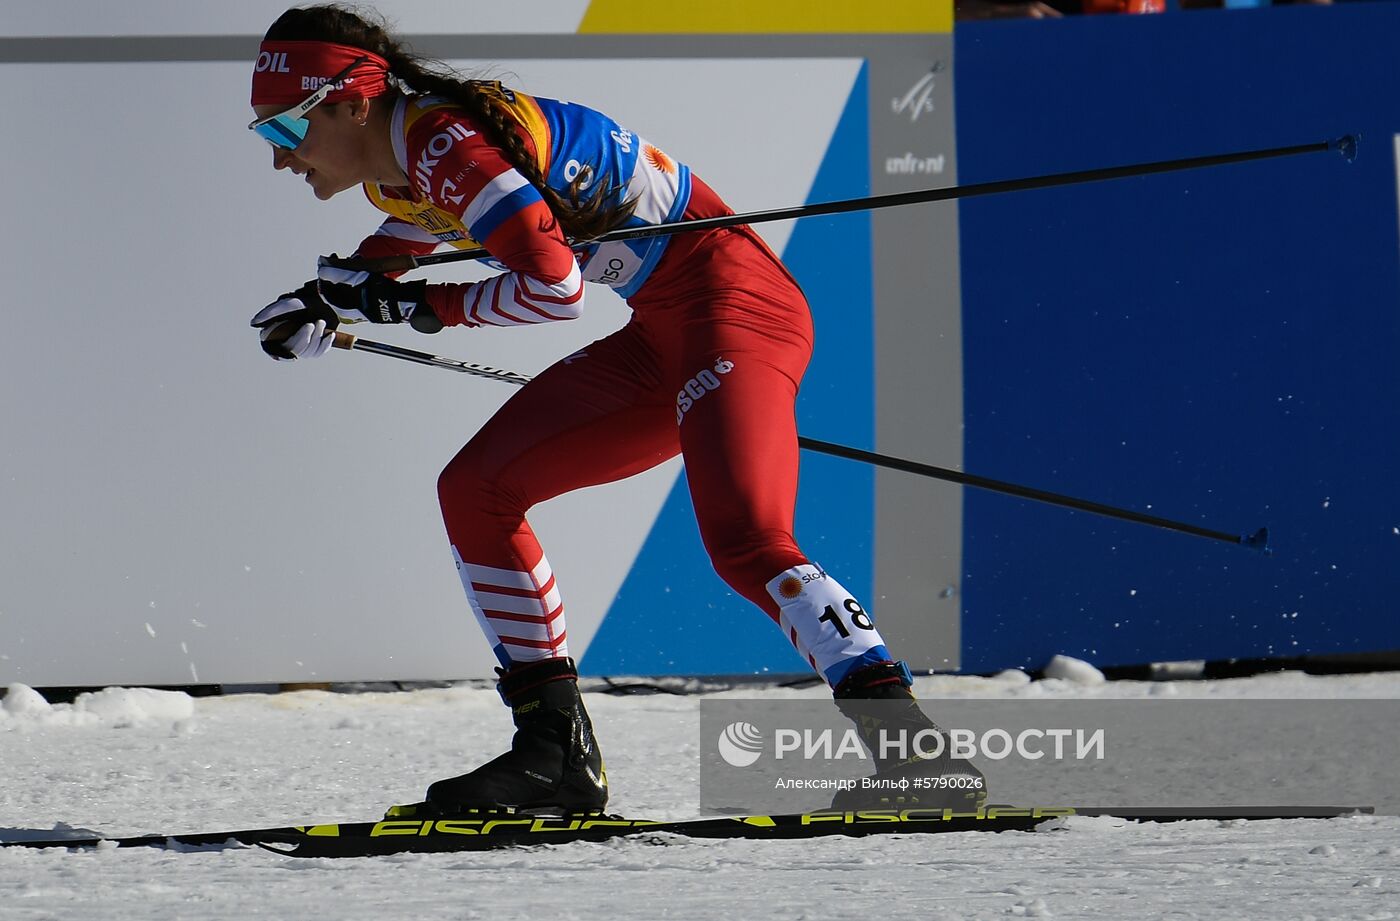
708 367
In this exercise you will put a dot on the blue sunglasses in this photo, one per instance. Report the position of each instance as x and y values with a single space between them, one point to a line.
288 129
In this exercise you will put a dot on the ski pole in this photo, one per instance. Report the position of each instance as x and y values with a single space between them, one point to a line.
1259 540
1345 145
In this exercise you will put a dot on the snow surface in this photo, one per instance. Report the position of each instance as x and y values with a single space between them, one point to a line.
1076 671
129 761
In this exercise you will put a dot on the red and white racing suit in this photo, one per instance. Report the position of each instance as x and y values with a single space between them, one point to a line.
708 367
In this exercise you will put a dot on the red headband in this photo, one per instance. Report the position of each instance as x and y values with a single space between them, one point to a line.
288 72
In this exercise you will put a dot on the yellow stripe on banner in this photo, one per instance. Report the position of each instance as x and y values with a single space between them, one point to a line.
767 17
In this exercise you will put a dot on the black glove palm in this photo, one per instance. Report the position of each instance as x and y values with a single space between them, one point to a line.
357 295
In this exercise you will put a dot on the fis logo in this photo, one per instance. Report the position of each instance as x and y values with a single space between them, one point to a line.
918 100
699 385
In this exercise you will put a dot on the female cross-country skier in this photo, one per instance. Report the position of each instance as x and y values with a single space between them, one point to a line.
708 366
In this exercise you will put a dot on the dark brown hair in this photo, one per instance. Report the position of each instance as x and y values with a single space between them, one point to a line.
581 219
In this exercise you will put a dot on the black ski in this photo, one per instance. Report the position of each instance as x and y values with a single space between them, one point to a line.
478 833
217 839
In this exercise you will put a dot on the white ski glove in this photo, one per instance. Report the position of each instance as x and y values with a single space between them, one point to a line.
297 325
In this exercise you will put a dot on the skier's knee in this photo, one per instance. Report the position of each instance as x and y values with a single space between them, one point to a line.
467 482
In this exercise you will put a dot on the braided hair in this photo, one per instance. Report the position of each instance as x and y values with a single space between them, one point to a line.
581 218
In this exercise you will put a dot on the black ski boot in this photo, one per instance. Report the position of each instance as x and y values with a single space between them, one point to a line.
878 700
553 766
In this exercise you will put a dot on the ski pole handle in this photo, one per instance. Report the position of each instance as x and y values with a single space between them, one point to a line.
388 265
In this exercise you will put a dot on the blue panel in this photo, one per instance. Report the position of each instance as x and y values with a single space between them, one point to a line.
673 614
1216 346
